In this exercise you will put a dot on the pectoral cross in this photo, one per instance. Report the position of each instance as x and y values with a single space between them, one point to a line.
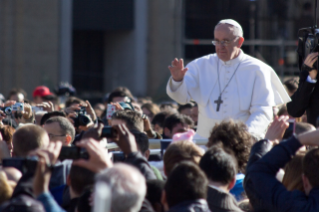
219 101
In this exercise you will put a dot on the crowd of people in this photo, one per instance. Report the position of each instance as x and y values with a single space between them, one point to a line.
60 153
234 171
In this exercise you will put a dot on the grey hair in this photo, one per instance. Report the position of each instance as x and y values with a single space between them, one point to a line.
65 125
128 187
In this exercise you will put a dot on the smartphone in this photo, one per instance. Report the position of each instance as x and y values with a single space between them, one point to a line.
110 110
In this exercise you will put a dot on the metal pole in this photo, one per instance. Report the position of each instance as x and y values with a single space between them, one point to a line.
252 27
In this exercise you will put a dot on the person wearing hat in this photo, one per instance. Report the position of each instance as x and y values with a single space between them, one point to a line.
227 84
39 93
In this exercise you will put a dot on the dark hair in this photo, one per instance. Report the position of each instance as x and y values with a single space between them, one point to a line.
154 191
83 204
161 116
189 105
141 140
234 136
15 91
80 178
174 119
310 166
291 85
181 151
73 100
27 138
65 125
186 183
133 119
120 92
49 115
218 165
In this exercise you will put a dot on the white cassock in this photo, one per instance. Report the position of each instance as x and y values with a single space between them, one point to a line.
249 97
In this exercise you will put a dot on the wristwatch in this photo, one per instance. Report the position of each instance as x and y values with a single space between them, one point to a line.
307 68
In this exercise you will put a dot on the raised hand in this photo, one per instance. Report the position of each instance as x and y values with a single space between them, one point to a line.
277 129
125 139
177 69
309 61
98 159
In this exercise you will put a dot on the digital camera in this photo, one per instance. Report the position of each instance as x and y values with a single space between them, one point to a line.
308 41
22 164
82 119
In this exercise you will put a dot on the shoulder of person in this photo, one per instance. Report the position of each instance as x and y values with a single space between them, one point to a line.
202 60
256 64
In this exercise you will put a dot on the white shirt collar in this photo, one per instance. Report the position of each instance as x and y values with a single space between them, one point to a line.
233 61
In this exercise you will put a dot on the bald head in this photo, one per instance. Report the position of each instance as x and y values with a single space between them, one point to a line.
128 187
27 138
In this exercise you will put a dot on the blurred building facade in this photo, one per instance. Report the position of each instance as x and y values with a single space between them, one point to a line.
98 45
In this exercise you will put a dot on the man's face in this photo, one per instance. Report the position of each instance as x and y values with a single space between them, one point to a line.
55 133
19 97
178 128
224 32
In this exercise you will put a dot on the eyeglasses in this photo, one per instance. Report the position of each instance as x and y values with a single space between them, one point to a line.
52 135
223 42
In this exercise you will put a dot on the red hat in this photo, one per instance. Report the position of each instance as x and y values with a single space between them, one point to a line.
41 91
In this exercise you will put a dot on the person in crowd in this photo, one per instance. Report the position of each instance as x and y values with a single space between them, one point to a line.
78 179
28 138
194 114
128 187
120 94
176 123
186 109
5 188
220 168
143 146
7 134
228 84
72 100
159 119
49 115
265 192
305 98
181 151
99 108
40 93
291 86
132 119
150 110
154 194
60 129
292 178
234 135
186 189
17 95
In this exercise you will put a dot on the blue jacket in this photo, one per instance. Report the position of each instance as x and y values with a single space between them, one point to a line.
265 192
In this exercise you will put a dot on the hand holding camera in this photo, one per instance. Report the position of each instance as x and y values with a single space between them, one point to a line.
46 158
98 157
309 62
125 139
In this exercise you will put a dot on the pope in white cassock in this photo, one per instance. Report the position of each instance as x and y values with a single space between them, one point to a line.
227 84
